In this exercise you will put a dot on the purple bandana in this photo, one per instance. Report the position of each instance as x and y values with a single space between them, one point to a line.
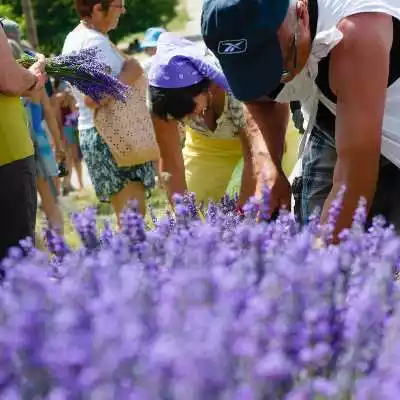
180 63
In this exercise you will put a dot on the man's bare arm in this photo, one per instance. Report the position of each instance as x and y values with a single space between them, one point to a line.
359 76
267 131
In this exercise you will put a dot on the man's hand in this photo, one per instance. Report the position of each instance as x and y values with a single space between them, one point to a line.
278 184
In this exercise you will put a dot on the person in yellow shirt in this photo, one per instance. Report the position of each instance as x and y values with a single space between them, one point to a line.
17 166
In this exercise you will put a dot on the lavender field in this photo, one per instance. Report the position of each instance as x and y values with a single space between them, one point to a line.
204 304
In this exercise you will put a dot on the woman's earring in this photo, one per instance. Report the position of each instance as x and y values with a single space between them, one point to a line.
210 99
209 104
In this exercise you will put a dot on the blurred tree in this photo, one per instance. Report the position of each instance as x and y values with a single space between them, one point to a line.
6 10
55 18
30 22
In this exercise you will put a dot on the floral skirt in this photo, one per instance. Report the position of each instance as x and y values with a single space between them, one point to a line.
107 178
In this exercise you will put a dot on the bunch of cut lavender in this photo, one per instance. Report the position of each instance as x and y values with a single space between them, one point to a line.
219 309
85 71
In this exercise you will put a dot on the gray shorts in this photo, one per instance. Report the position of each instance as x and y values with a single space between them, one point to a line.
313 187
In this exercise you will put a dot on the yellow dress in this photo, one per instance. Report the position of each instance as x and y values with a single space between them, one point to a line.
210 157
213 159
292 143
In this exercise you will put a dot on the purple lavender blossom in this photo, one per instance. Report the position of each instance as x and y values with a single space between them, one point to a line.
224 308
85 71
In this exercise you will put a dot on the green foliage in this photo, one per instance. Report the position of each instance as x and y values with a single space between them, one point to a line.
55 18
6 10
141 14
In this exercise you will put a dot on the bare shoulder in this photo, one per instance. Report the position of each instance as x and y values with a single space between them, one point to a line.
364 51
366 29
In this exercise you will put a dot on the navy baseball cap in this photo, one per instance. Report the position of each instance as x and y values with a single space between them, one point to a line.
243 36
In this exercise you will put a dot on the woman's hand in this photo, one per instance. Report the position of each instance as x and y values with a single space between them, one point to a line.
38 70
94 105
60 152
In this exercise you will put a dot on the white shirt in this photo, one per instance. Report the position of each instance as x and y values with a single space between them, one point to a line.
82 38
146 65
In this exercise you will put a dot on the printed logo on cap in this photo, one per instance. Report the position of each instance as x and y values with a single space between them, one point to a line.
232 46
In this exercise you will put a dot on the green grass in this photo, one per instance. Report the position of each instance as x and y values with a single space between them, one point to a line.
81 200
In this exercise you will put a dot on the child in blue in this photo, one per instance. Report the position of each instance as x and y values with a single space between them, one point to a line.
40 111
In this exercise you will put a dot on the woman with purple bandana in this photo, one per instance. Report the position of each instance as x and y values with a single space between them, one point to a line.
188 88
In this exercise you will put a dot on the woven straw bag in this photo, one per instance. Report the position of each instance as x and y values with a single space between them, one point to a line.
127 128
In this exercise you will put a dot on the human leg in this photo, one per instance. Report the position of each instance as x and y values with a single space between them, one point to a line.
50 205
133 191
77 164
112 183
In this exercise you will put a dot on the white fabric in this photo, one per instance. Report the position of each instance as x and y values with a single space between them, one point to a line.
146 65
83 38
303 88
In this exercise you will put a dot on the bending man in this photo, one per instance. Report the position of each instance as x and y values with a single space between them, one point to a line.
340 58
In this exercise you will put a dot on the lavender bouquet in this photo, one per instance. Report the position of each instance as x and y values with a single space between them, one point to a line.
85 71
212 306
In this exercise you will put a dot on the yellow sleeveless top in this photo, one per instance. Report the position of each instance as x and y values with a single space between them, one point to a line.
15 140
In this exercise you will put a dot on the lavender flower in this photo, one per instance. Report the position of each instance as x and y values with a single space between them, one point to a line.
224 308
85 71
333 214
